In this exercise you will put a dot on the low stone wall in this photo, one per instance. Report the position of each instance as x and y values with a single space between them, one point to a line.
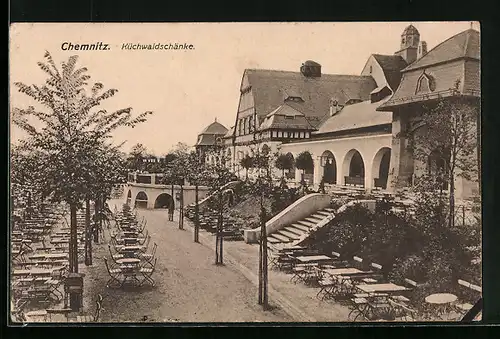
300 209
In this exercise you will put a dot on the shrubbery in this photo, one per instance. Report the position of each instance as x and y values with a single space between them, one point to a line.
420 247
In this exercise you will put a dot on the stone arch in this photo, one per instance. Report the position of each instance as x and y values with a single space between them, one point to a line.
141 200
163 200
353 168
380 167
329 165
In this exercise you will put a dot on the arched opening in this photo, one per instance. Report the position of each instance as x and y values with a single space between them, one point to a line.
306 163
290 173
354 167
129 197
380 169
164 200
141 200
329 165
436 167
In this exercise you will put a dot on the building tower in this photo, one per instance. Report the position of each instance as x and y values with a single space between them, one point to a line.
410 40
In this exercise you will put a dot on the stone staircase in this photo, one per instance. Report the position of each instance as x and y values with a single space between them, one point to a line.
299 229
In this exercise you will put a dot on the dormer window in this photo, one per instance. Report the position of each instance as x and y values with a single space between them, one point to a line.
294 99
289 117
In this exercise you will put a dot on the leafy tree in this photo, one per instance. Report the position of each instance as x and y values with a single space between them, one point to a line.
304 162
135 160
72 128
247 163
284 162
448 132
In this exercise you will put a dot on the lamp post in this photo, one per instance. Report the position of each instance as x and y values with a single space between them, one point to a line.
181 204
263 261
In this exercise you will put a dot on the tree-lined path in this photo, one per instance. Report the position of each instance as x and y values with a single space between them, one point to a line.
189 287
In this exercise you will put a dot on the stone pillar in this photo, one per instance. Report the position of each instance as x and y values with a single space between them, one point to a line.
340 171
401 167
298 176
153 178
318 172
369 180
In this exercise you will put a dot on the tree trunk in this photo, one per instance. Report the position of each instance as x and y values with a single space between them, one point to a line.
261 257
181 209
73 240
196 215
265 300
97 210
173 202
88 243
29 205
451 221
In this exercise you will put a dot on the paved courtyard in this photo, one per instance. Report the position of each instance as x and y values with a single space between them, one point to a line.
189 287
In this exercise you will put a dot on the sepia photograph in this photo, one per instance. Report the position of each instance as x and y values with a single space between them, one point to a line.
250 172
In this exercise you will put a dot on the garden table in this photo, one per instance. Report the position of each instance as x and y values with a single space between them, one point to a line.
386 287
128 261
314 258
49 256
341 271
440 304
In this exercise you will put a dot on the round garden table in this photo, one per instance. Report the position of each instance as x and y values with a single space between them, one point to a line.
439 304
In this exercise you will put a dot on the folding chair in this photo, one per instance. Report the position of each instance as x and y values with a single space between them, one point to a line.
149 256
147 271
114 273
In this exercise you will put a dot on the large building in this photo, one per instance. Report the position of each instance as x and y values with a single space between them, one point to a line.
354 126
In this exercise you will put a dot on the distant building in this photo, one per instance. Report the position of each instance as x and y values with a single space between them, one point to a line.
210 142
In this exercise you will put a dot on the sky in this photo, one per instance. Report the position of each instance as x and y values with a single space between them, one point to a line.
188 89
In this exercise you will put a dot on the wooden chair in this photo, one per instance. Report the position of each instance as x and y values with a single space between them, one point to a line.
114 274
115 256
462 306
149 256
358 262
147 271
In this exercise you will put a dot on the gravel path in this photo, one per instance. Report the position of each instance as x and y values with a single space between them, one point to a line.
189 287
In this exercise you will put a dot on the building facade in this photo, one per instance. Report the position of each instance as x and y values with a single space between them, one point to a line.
353 126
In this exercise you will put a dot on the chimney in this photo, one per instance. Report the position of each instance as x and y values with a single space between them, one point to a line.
422 49
311 69
334 107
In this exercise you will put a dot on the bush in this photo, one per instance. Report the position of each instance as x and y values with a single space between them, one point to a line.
420 247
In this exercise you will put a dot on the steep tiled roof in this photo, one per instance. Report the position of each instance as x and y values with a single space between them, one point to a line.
229 133
392 66
285 117
215 128
462 45
268 87
206 140
354 116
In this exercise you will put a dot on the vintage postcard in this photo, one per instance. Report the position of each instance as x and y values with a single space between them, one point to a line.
245 172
